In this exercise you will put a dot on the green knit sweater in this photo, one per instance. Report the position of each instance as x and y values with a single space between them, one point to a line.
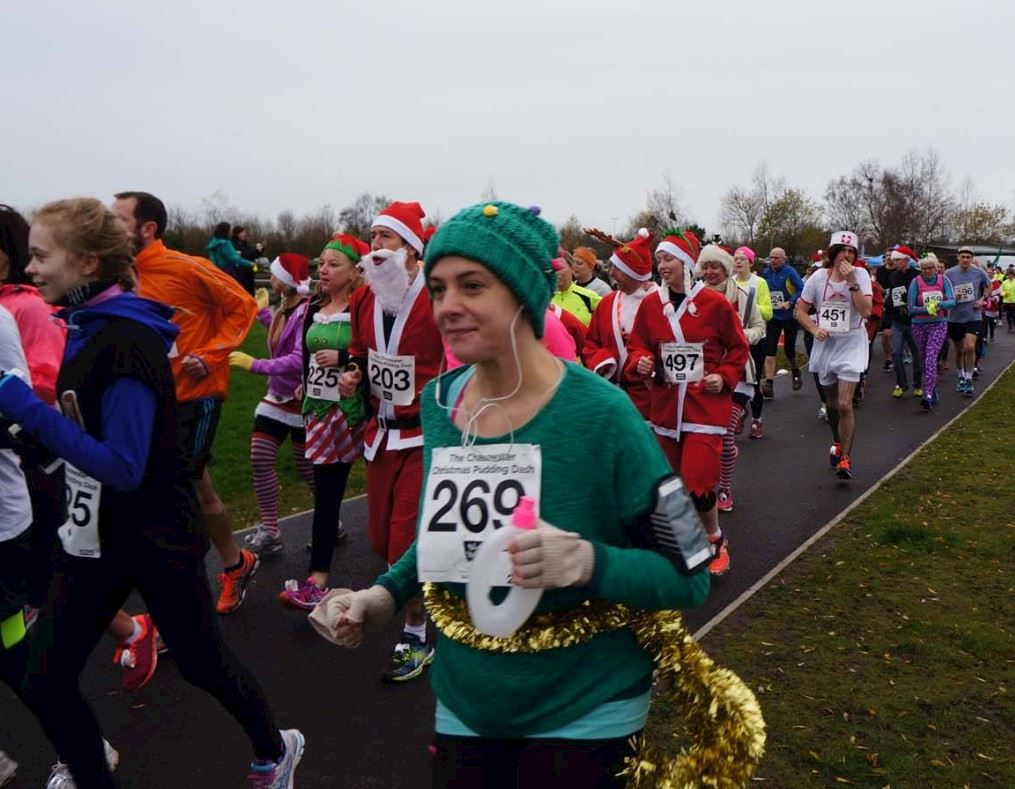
596 482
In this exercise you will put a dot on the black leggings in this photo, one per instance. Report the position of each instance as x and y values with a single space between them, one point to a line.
1009 317
83 596
329 489
484 763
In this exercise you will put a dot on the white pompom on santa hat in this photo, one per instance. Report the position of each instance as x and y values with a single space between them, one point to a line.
292 270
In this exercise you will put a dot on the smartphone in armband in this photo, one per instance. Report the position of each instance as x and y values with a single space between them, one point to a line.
676 530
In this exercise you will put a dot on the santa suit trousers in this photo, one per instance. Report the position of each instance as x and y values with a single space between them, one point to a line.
695 458
394 482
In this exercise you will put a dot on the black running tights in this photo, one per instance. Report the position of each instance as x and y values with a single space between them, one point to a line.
483 763
329 488
83 596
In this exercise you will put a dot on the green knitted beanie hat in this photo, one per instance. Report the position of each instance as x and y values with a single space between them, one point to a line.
511 241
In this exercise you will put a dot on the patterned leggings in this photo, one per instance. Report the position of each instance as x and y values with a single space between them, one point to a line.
265 442
929 338
728 458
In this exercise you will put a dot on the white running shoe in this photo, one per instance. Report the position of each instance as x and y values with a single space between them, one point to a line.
823 413
280 775
60 777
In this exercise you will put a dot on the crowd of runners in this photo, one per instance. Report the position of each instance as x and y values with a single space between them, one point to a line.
449 359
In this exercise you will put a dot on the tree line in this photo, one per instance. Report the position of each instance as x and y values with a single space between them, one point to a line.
912 202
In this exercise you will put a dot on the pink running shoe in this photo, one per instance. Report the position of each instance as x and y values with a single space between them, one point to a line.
301 594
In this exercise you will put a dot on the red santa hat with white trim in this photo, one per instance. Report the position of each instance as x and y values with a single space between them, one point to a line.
635 257
406 219
292 270
683 245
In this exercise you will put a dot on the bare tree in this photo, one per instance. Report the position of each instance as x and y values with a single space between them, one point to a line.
662 210
743 207
356 218
846 207
287 227
739 214
216 208
932 201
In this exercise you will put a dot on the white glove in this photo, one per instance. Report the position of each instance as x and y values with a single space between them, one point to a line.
342 615
550 558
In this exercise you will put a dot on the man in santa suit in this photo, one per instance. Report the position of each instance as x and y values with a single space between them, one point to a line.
687 342
394 350
605 349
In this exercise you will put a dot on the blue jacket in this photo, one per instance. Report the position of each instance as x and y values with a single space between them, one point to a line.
223 254
128 406
787 282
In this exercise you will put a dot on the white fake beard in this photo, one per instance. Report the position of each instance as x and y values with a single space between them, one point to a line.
388 279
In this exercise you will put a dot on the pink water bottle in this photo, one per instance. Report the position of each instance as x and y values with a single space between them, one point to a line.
504 619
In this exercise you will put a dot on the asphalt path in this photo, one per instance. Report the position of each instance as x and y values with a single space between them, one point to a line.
363 733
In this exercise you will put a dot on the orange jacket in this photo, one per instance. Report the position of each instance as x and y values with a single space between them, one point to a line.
213 313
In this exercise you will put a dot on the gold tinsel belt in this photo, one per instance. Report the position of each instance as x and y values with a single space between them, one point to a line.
722 716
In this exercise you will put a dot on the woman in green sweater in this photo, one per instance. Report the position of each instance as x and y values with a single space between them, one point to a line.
561 698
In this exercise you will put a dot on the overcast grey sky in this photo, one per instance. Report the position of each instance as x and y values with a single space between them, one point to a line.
580 107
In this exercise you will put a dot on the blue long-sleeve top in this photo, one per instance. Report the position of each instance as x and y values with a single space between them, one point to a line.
916 308
128 406
786 281
119 459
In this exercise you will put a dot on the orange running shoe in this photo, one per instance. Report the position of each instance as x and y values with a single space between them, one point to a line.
721 559
234 582
138 658
842 470
834 454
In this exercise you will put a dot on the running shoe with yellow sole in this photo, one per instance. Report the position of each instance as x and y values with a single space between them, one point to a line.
408 659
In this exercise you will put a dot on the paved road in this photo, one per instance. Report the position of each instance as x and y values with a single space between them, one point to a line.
361 733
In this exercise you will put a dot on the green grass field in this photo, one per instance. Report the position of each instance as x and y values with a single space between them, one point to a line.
885 655
230 468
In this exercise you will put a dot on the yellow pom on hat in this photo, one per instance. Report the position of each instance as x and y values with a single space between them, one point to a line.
489 210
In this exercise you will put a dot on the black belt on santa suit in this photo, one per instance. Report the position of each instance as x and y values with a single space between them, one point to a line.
399 423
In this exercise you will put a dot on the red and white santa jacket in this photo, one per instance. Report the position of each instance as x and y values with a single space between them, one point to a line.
703 316
606 344
575 328
414 336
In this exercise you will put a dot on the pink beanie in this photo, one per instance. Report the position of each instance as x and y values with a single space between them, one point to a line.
748 253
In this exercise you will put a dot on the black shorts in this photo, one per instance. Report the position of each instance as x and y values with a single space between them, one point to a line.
279 430
196 422
957 331
773 329
886 322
